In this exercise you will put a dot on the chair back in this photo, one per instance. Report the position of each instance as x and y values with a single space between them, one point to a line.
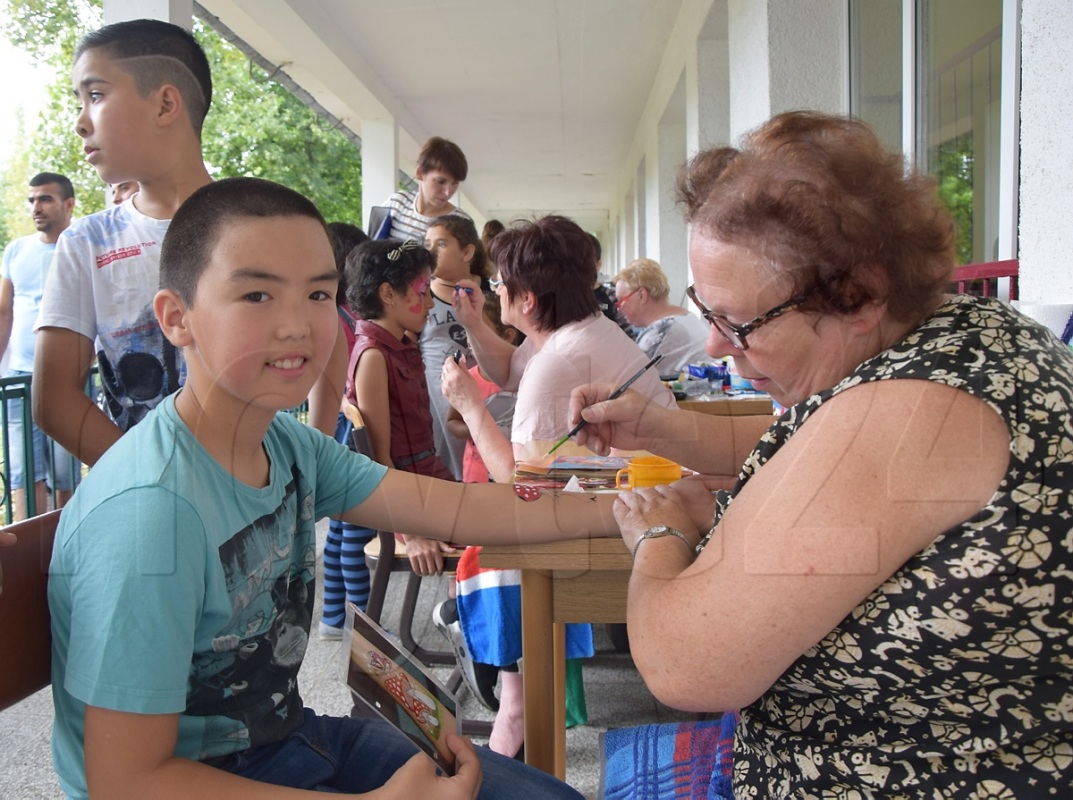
25 623
983 279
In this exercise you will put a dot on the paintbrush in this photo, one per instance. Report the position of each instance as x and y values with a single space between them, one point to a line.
615 394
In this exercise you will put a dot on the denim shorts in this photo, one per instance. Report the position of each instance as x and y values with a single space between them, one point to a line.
359 754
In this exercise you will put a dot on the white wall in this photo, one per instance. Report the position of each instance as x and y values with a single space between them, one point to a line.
733 63
1046 192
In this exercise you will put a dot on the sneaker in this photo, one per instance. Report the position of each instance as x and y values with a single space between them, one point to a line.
326 631
445 618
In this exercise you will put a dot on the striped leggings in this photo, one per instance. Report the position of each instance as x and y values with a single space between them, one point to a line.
345 575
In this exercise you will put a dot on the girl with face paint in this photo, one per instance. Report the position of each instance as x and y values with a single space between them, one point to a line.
388 288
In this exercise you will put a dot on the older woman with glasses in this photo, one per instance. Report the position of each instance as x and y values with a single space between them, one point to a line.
886 593
642 294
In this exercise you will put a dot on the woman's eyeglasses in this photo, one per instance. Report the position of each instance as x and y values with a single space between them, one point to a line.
621 301
735 334
492 282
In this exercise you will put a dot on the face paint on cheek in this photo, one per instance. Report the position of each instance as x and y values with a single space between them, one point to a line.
419 287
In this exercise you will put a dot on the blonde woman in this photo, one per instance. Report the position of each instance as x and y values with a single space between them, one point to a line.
641 293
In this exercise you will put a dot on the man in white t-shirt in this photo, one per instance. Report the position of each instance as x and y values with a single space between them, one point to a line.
26 263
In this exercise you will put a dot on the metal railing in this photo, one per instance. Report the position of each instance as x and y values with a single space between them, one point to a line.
19 389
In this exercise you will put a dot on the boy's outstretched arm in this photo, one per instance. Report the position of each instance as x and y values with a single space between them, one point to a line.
132 755
61 407
482 513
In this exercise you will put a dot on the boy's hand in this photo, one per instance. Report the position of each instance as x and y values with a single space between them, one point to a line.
426 555
418 778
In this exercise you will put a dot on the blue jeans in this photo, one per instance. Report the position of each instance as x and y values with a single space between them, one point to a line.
355 754
48 456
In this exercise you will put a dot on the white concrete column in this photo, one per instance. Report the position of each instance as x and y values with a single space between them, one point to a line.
748 63
669 245
808 47
708 84
179 12
640 210
628 251
1046 192
379 163
783 55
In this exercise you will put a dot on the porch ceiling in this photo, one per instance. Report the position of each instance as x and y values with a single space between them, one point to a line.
544 96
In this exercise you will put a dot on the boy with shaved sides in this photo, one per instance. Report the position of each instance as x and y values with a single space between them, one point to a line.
144 88
205 512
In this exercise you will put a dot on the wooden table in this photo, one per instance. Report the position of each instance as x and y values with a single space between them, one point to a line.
575 581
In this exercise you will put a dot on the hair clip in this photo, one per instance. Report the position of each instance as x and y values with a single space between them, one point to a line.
406 246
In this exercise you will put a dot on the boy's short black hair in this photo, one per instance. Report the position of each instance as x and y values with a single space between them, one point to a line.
392 261
196 227
165 53
67 191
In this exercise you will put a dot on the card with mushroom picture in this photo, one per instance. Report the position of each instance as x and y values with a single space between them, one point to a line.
394 685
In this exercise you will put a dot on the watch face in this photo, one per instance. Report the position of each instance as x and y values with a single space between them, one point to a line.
658 530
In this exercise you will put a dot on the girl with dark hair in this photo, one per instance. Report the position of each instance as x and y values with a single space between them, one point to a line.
458 254
388 288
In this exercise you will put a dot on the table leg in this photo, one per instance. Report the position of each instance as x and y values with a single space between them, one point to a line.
538 663
558 663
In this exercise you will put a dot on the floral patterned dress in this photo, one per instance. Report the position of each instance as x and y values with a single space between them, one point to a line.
955 677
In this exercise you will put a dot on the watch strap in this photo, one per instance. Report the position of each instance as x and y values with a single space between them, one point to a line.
658 532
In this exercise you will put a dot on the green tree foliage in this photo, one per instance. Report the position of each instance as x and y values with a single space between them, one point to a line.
255 126
952 165
47 31
258 128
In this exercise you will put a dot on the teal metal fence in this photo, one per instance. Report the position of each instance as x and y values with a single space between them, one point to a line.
19 389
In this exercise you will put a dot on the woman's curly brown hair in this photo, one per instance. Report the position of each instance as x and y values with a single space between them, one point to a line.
822 202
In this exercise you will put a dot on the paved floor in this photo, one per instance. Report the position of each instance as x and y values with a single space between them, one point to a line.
615 696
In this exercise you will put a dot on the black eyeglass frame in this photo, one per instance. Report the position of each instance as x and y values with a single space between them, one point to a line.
736 334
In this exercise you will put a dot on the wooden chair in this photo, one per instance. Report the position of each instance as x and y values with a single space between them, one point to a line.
25 623
385 555
983 279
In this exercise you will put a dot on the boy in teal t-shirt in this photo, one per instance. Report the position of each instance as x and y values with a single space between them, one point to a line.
182 579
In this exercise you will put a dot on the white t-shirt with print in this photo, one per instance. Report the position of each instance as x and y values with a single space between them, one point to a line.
101 285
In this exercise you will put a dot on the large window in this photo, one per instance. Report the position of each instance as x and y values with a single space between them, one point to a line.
955 54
